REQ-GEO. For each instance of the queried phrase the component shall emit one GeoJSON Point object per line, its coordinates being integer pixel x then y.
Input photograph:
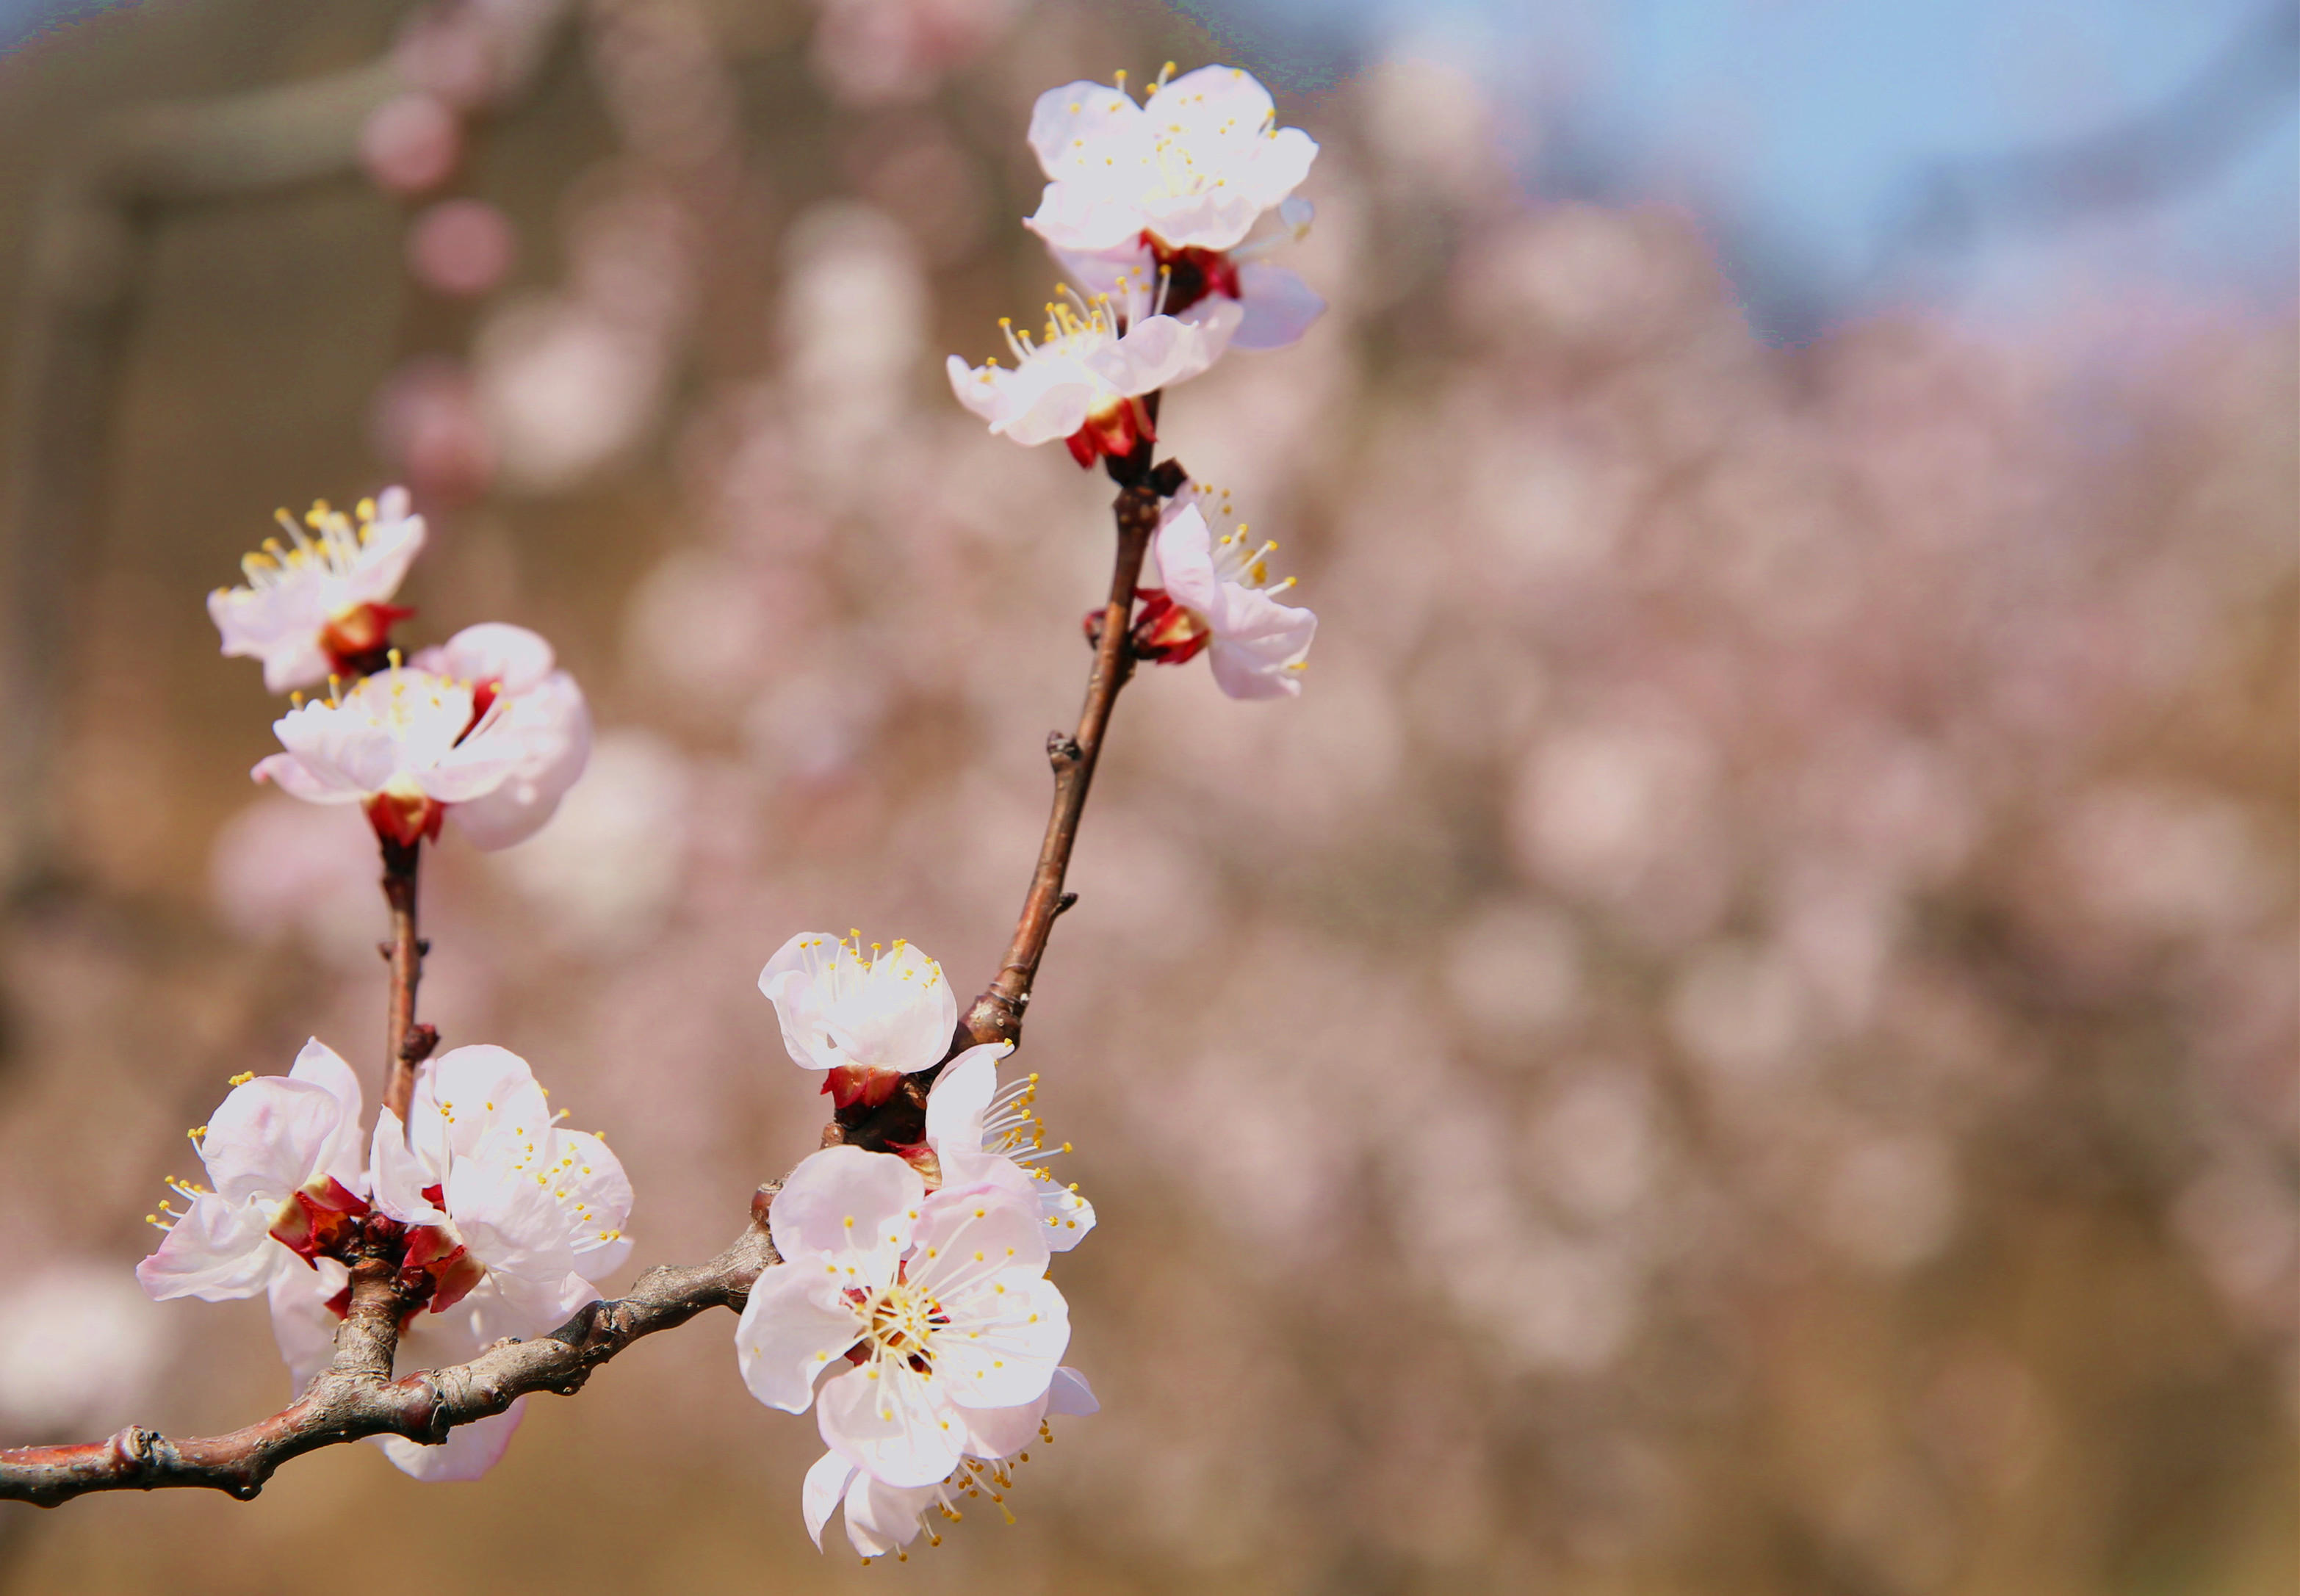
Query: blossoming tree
{"type": "Point", "coordinates": [428, 1271]}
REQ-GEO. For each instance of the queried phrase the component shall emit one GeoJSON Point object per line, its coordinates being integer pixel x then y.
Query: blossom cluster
{"type": "Point", "coordinates": [1152, 207]}
{"type": "Point", "coordinates": [910, 1306]}
{"type": "Point", "coordinates": [498, 1219]}
{"type": "Point", "coordinates": [483, 729]}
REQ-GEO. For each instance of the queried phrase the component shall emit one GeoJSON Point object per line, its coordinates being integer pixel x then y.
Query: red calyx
{"type": "Point", "coordinates": [444, 1269]}
{"type": "Point", "coordinates": [852, 1084]}
{"type": "Point", "coordinates": [1165, 631]}
{"type": "Point", "coordinates": [1192, 273]}
{"type": "Point", "coordinates": [405, 820]}
{"type": "Point", "coordinates": [1114, 431]}
{"type": "Point", "coordinates": [313, 1228]}
{"type": "Point", "coordinates": [358, 642]}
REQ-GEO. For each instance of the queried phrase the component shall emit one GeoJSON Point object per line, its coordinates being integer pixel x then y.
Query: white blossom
{"type": "Point", "coordinates": [317, 602]}
{"type": "Point", "coordinates": [1195, 165]}
{"type": "Point", "coordinates": [982, 1136]}
{"type": "Point", "coordinates": [1083, 380]}
{"type": "Point", "coordinates": [866, 1021]}
{"type": "Point", "coordinates": [1216, 596]}
{"type": "Point", "coordinates": [404, 743]}
{"type": "Point", "coordinates": [882, 1519]}
{"type": "Point", "coordinates": [543, 716]}
{"type": "Point", "coordinates": [901, 1316]}
{"type": "Point", "coordinates": [282, 1155]}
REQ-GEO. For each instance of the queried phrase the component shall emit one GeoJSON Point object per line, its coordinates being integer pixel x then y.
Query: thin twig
{"type": "Point", "coordinates": [406, 1042]}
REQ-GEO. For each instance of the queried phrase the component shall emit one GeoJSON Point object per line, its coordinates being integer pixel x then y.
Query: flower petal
{"type": "Point", "coordinates": [825, 1484]}
{"type": "Point", "coordinates": [1278, 305]}
{"type": "Point", "coordinates": [858, 1207]}
{"type": "Point", "coordinates": [891, 1422]}
{"type": "Point", "coordinates": [794, 1326]}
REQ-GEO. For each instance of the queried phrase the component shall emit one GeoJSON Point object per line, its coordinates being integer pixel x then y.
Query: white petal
{"type": "Point", "coordinates": [788, 982]}
{"type": "Point", "coordinates": [269, 1137]}
{"type": "Point", "coordinates": [398, 1174]}
{"type": "Point", "coordinates": [891, 1423]}
{"type": "Point", "coordinates": [1184, 550]}
{"type": "Point", "coordinates": [1002, 1343]}
{"type": "Point", "coordinates": [794, 1327]}
{"type": "Point", "coordinates": [1067, 1216]}
{"type": "Point", "coordinates": [857, 1206]}
{"type": "Point", "coordinates": [322, 1066]}
{"type": "Point", "coordinates": [880, 1518]}
{"type": "Point", "coordinates": [217, 1252]}
{"type": "Point", "coordinates": [493, 651]}
{"type": "Point", "coordinates": [819, 1494]}
{"type": "Point", "coordinates": [1069, 1393]}
{"type": "Point", "coordinates": [1278, 305]}
{"type": "Point", "coordinates": [301, 1323]}
{"type": "Point", "coordinates": [469, 1451]}
{"type": "Point", "coordinates": [292, 777]}
{"type": "Point", "coordinates": [1259, 644]}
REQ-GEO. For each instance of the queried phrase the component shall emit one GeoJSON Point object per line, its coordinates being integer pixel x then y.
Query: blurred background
{"type": "Point", "coordinates": [1739, 1038]}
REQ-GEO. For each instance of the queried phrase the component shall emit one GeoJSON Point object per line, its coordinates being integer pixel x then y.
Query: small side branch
{"type": "Point", "coordinates": [356, 1397]}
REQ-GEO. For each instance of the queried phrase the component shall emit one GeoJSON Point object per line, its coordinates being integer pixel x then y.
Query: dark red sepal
{"type": "Point", "coordinates": [1165, 631]}
{"type": "Point", "coordinates": [358, 642]}
{"type": "Point", "coordinates": [443, 1267]}
{"type": "Point", "coordinates": [405, 822]}
{"type": "Point", "coordinates": [1116, 431]}
{"type": "Point", "coordinates": [852, 1084]}
{"type": "Point", "coordinates": [313, 1226]}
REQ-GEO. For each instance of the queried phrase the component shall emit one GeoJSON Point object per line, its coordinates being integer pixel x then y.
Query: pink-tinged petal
{"type": "Point", "coordinates": [1002, 1432]}
{"type": "Point", "coordinates": [599, 1194]}
{"type": "Point", "coordinates": [547, 731]}
{"type": "Point", "coordinates": [219, 1250]}
{"type": "Point", "coordinates": [856, 1206]}
{"type": "Point", "coordinates": [955, 1108]}
{"type": "Point", "coordinates": [975, 386]}
{"type": "Point", "coordinates": [1068, 1216]}
{"type": "Point", "coordinates": [897, 1016]}
{"type": "Point", "coordinates": [1003, 1343]}
{"type": "Point", "coordinates": [390, 547]}
{"type": "Point", "coordinates": [1259, 644]}
{"type": "Point", "coordinates": [509, 1220]}
{"type": "Point", "coordinates": [399, 1176]}
{"type": "Point", "coordinates": [966, 1238]}
{"type": "Point", "coordinates": [268, 1138]}
{"type": "Point", "coordinates": [469, 1451]}
{"type": "Point", "coordinates": [481, 1088]}
{"type": "Point", "coordinates": [1069, 1394]}
{"type": "Point", "coordinates": [1185, 562]}
{"type": "Point", "coordinates": [882, 1517]}
{"type": "Point", "coordinates": [788, 980]}
{"type": "Point", "coordinates": [795, 1325]}
{"type": "Point", "coordinates": [322, 1066]}
{"type": "Point", "coordinates": [1277, 307]}
{"type": "Point", "coordinates": [819, 1494]}
{"type": "Point", "coordinates": [1109, 271]}
{"type": "Point", "coordinates": [890, 1422]}
{"type": "Point", "coordinates": [292, 777]}
{"type": "Point", "coordinates": [301, 1323]}
{"type": "Point", "coordinates": [1083, 110]}
{"type": "Point", "coordinates": [513, 657]}
{"type": "Point", "coordinates": [1158, 351]}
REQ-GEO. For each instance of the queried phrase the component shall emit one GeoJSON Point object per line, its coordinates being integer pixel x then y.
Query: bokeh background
{"type": "Point", "coordinates": [1739, 1038]}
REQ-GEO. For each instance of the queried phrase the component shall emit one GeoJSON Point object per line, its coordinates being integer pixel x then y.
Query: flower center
{"type": "Point", "coordinates": [897, 1321]}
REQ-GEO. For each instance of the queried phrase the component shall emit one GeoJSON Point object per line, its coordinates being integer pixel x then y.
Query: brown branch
{"type": "Point", "coordinates": [356, 1397]}
{"type": "Point", "coordinates": [996, 1015]}
{"type": "Point", "coordinates": [406, 1043]}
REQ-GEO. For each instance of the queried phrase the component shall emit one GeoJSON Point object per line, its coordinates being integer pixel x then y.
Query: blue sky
{"type": "Point", "coordinates": [1832, 146]}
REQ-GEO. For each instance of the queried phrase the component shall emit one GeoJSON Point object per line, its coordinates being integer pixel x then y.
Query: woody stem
{"type": "Point", "coordinates": [406, 1042]}
{"type": "Point", "coordinates": [996, 1015]}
